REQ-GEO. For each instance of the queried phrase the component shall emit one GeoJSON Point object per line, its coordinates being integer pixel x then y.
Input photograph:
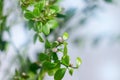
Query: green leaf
{"type": "Point", "coordinates": [43, 57]}
{"type": "Point", "coordinates": [38, 27]}
{"type": "Point", "coordinates": [71, 71]}
{"type": "Point", "coordinates": [56, 8]}
{"type": "Point", "coordinates": [46, 30]}
{"type": "Point", "coordinates": [59, 74]}
{"type": "Point", "coordinates": [29, 15]}
{"type": "Point", "coordinates": [34, 67]}
{"type": "Point", "coordinates": [40, 39]}
{"type": "Point", "coordinates": [66, 60]}
{"type": "Point", "coordinates": [65, 36]}
{"type": "Point", "coordinates": [78, 62]}
{"type": "Point", "coordinates": [40, 5]}
{"type": "Point", "coordinates": [109, 1]}
{"type": "Point", "coordinates": [65, 49]}
{"type": "Point", "coordinates": [54, 56]}
{"type": "Point", "coordinates": [49, 65]}
{"type": "Point", "coordinates": [60, 15]}
{"type": "Point", "coordinates": [47, 44]}
{"type": "Point", "coordinates": [52, 24]}
{"type": "Point", "coordinates": [51, 72]}
{"type": "Point", "coordinates": [36, 12]}
{"type": "Point", "coordinates": [31, 24]}
{"type": "Point", "coordinates": [35, 38]}
{"type": "Point", "coordinates": [55, 44]}
{"type": "Point", "coordinates": [32, 75]}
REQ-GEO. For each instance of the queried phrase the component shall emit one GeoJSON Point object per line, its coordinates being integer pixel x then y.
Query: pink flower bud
{"type": "Point", "coordinates": [60, 39]}
{"type": "Point", "coordinates": [54, 49]}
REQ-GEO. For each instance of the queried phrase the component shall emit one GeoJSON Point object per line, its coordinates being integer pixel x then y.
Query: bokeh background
{"type": "Point", "coordinates": [94, 29]}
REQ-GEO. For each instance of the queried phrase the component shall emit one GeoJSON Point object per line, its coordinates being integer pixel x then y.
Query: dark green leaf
{"type": "Point", "coordinates": [29, 15]}
{"type": "Point", "coordinates": [60, 15]}
{"type": "Point", "coordinates": [43, 57]}
{"type": "Point", "coordinates": [33, 67]}
{"type": "Point", "coordinates": [47, 44]}
{"type": "Point", "coordinates": [59, 74]}
{"type": "Point", "coordinates": [54, 56]}
{"type": "Point", "coordinates": [40, 39]}
{"type": "Point", "coordinates": [55, 44]}
{"type": "Point", "coordinates": [110, 1]}
{"type": "Point", "coordinates": [3, 45]}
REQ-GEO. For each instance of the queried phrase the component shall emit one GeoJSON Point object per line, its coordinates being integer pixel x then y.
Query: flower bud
{"type": "Point", "coordinates": [54, 49]}
{"type": "Point", "coordinates": [60, 39]}
{"type": "Point", "coordinates": [71, 65]}
{"type": "Point", "coordinates": [24, 75]}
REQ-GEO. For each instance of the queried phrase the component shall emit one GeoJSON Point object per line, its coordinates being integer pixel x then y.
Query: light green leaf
{"type": "Point", "coordinates": [46, 30]}
{"type": "Point", "coordinates": [40, 5]}
{"type": "Point", "coordinates": [71, 71]}
{"type": "Point", "coordinates": [51, 72]}
{"type": "Point", "coordinates": [65, 36]}
{"type": "Point", "coordinates": [56, 8]}
{"type": "Point", "coordinates": [59, 74]}
{"type": "Point", "coordinates": [65, 49]}
{"type": "Point", "coordinates": [78, 62]}
{"type": "Point", "coordinates": [52, 24]}
{"type": "Point", "coordinates": [65, 60]}
{"type": "Point", "coordinates": [36, 12]}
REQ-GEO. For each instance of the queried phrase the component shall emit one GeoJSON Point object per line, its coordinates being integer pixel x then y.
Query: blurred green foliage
{"type": "Point", "coordinates": [42, 19]}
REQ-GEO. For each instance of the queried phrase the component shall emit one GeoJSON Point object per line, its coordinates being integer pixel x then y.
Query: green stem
{"type": "Point", "coordinates": [42, 74]}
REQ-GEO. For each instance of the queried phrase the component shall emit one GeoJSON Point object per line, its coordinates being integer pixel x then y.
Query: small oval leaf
{"type": "Point", "coordinates": [59, 74]}
{"type": "Point", "coordinates": [78, 62]}
{"type": "Point", "coordinates": [43, 57]}
{"type": "Point", "coordinates": [65, 36]}
{"type": "Point", "coordinates": [71, 71]}
{"type": "Point", "coordinates": [46, 30]}
{"type": "Point", "coordinates": [29, 15]}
